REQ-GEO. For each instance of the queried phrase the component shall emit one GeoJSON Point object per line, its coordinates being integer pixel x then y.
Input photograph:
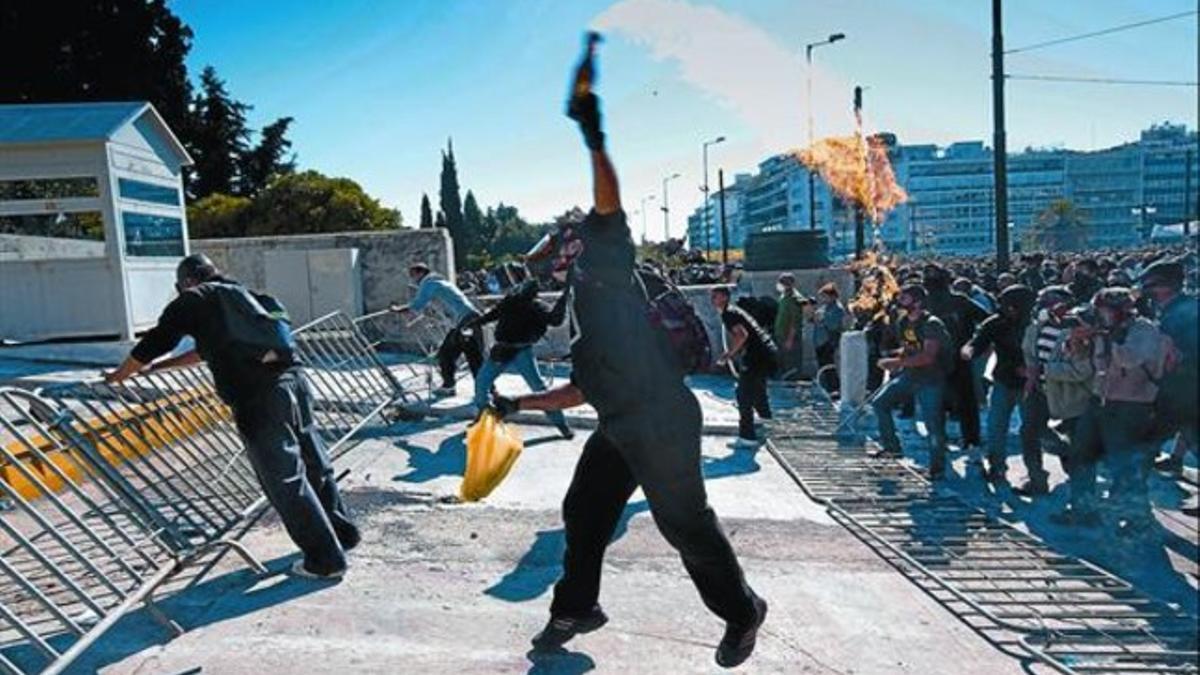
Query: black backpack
{"type": "Point", "coordinates": [257, 326]}
{"type": "Point", "coordinates": [668, 309]}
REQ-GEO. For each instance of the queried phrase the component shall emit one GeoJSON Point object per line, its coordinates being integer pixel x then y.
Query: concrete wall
{"type": "Point", "coordinates": [385, 257]}
{"type": "Point", "coordinates": [21, 247]}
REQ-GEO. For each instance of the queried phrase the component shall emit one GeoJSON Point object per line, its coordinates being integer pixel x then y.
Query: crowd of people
{"type": "Point", "coordinates": [1097, 353]}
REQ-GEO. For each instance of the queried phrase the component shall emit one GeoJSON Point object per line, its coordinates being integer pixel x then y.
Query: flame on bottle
{"type": "Point", "coordinates": [878, 286]}
{"type": "Point", "coordinates": [585, 74]}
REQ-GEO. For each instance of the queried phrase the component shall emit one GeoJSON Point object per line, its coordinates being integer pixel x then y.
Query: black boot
{"type": "Point", "coordinates": [585, 110]}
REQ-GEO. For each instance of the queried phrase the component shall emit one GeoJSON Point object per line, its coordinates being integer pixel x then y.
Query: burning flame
{"type": "Point", "coordinates": [858, 171]}
{"type": "Point", "coordinates": [878, 288]}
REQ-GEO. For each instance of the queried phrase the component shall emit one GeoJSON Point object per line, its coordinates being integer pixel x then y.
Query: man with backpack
{"type": "Point", "coordinates": [757, 359]}
{"type": "Point", "coordinates": [918, 371]}
{"type": "Point", "coordinates": [649, 428]}
{"type": "Point", "coordinates": [244, 339]}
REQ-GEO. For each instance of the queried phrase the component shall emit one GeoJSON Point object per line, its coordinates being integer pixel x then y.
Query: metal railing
{"type": "Point", "coordinates": [112, 491]}
{"type": "Point", "coordinates": [1064, 611]}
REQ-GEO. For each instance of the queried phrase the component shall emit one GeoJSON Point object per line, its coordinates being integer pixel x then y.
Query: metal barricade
{"type": "Point", "coordinates": [110, 491]}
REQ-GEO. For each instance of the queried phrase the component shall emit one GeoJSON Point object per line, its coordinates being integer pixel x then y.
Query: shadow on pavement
{"type": "Point", "coordinates": [231, 595]}
{"type": "Point", "coordinates": [541, 565]}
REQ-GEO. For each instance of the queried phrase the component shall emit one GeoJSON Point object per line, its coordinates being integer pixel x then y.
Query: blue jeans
{"type": "Point", "coordinates": [1034, 419]}
{"type": "Point", "coordinates": [928, 395]}
{"type": "Point", "coordinates": [523, 364]}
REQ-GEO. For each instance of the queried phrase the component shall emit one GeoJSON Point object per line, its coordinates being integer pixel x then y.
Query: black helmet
{"type": "Point", "coordinates": [1116, 298]}
{"type": "Point", "coordinates": [1054, 295]}
{"type": "Point", "coordinates": [196, 267]}
{"type": "Point", "coordinates": [1018, 297]}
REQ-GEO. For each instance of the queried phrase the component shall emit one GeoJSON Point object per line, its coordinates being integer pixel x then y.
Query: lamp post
{"type": "Point", "coordinates": [808, 50]}
{"type": "Point", "coordinates": [704, 189]}
{"type": "Point", "coordinates": [1141, 212]}
{"type": "Point", "coordinates": [666, 207]}
{"type": "Point", "coordinates": [647, 198]}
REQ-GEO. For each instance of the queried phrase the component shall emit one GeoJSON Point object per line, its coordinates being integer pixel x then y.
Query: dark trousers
{"type": "Point", "coordinates": [661, 453]}
{"type": "Point", "coordinates": [289, 458]}
{"type": "Point", "coordinates": [751, 394]}
{"type": "Point", "coordinates": [1119, 433]}
{"type": "Point", "coordinates": [826, 352]}
{"type": "Point", "coordinates": [460, 343]}
{"type": "Point", "coordinates": [961, 397]}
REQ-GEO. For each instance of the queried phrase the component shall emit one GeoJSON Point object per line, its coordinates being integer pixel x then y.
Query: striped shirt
{"type": "Point", "coordinates": [1047, 339]}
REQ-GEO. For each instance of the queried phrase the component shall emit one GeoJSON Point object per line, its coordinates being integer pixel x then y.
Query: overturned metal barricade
{"type": "Point", "coordinates": [1008, 584]}
{"type": "Point", "coordinates": [109, 491]}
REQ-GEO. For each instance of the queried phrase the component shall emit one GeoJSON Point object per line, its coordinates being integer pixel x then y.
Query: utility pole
{"type": "Point", "coordinates": [859, 230]}
{"type": "Point", "coordinates": [647, 198]}
{"type": "Point", "coordinates": [724, 225]}
{"type": "Point", "coordinates": [666, 208]}
{"type": "Point", "coordinates": [1187, 195]}
{"type": "Point", "coordinates": [999, 140]}
{"type": "Point", "coordinates": [808, 50]}
{"type": "Point", "coordinates": [704, 189]}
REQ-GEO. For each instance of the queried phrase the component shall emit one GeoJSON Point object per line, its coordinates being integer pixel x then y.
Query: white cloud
{"type": "Point", "coordinates": [743, 67]}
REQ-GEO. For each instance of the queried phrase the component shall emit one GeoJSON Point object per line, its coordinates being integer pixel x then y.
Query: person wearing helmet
{"type": "Point", "coordinates": [272, 408]}
{"type": "Point", "coordinates": [521, 320]}
{"type": "Point", "coordinates": [1129, 356]}
{"type": "Point", "coordinates": [961, 317]}
{"type": "Point", "coordinates": [1003, 332]}
{"type": "Point", "coordinates": [1058, 368]}
{"type": "Point", "coordinates": [1179, 318]}
{"type": "Point", "coordinates": [649, 427]}
{"type": "Point", "coordinates": [918, 372]}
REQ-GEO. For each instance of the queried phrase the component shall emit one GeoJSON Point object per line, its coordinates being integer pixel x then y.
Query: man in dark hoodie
{"type": "Point", "coordinates": [1004, 332]}
{"type": "Point", "coordinates": [961, 316]}
{"type": "Point", "coordinates": [649, 426]}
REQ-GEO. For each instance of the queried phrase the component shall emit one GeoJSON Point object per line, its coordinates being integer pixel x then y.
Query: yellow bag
{"type": "Point", "coordinates": [492, 449]}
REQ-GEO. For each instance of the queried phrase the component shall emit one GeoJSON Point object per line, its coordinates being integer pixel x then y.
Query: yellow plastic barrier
{"type": "Point", "coordinates": [118, 437]}
{"type": "Point", "coordinates": [492, 449]}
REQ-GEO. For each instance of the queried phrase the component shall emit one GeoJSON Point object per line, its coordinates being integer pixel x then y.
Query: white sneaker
{"type": "Point", "coordinates": [303, 572]}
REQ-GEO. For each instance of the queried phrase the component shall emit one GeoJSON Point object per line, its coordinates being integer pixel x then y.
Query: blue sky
{"type": "Point", "coordinates": [377, 87]}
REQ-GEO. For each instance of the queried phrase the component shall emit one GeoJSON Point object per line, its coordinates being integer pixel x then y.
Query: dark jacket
{"type": "Point", "coordinates": [197, 312]}
{"type": "Point", "coordinates": [522, 319]}
{"type": "Point", "coordinates": [1004, 336]}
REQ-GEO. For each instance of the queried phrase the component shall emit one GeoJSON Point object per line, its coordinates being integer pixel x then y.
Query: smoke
{"type": "Point", "coordinates": [737, 63]}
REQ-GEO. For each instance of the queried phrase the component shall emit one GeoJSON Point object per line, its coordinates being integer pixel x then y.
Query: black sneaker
{"type": "Point", "coordinates": [348, 536]}
{"type": "Point", "coordinates": [1032, 488]}
{"type": "Point", "coordinates": [738, 643]}
{"type": "Point", "coordinates": [561, 629]}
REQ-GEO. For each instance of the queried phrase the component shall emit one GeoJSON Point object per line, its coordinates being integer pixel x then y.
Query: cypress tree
{"type": "Point", "coordinates": [451, 204]}
{"type": "Point", "coordinates": [426, 212]}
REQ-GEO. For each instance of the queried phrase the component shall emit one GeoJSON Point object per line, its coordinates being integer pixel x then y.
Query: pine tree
{"type": "Point", "coordinates": [451, 204]}
{"type": "Point", "coordinates": [473, 225]}
{"type": "Point", "coordinates": [440, 220]}
{"type": "Point", "coordinates": [219, 137]}
{"type": "Point", "coordinates": [267, 159]}
{"type": "Point", "coordinates": [426, 212]}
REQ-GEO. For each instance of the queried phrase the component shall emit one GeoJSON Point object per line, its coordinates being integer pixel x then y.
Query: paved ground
{"type": "Point", "coordinates": [438, 587]}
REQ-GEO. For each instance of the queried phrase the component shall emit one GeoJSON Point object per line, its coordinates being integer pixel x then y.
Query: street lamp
{"type": "Point", "coordinates": [666, 208]}
{"type": "Point", "coordinates": [808, 50]}
{"type": "Point", "coordinates": [647, 198]}
{"type": "Point", "coordinates": [704, 189]}
{"type": "Point", "coordinates": [1141, 212]}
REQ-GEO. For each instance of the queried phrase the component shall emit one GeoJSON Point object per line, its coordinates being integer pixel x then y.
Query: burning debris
{"type": "Point", "coordinates": [878, 287]}
{"type": "Point", "coordinates": [858, 171]}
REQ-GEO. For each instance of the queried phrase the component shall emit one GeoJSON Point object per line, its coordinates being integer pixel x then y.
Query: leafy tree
{"type": "Point", "coordinates": [219, 137]}
{"type": "Point", "coordinates": [451, 204]}
{"type": "Point", "coordinates": [1061, 227]}
{"type": "Point", "coordinates": [309, 202]}
{"type": "Point", "coordinates": [99, 50]}
{"type": "Point", "coordinates": [426, 212]}
{"type": "Point", "coordinates": [218, 215]}
{"type": "Point", "coordinates": [267, 159]}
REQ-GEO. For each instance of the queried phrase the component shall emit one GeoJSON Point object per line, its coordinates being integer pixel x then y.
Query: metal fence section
{"type": "Point", "coordinates": [107, 492]}
{"type": "Point", "coordinates": [1008, 584]}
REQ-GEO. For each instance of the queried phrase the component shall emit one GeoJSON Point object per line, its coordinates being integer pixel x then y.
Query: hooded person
{"type": "Point", "coordinates": [649, 422]}
{"type": "Point", "coordinates": [521, 321]}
